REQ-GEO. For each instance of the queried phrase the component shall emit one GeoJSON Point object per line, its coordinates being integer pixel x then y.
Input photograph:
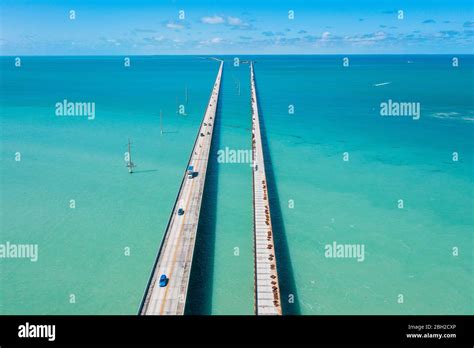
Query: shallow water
{"type": "Point", "coordinates": [81, 251]}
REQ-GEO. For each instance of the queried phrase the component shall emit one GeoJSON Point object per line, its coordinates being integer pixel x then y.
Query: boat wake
{"type": "Point", "coordinates": [452, 116]}
{"type": "Point", "coordinates": [381, 84]}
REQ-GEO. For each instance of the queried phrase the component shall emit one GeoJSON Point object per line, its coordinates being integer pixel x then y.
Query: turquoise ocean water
{"type": "Point", "coordinates": [408, 251]}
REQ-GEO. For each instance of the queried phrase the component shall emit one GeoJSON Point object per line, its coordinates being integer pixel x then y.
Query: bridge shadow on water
{"type": "Point", "coordinates": [286, 276]}
{"type": "Point", "coordinates": [145, 171]}
{"type": "Point", "coordinates": [199, 297]}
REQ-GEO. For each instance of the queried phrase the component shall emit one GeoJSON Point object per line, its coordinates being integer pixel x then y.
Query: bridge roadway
{"type": "Point", "coordinates": [175, 255]}
{"type": "Point", "coordinates": [267, 288]}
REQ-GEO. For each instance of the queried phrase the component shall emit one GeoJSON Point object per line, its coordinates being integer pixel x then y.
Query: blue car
{"type": "Point", "coordinates": [180, 211]}
{"type": "Point", "coordinates": [163, 281]}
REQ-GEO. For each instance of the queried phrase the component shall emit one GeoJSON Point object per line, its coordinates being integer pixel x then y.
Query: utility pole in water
{"type": "Point", "coordinates": [130, 164]}
{"type": "Point", "coordinates": [161, 122]}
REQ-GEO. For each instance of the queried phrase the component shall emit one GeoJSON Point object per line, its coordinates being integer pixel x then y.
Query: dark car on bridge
{"type": "Point", "coordinates": [163, 281]}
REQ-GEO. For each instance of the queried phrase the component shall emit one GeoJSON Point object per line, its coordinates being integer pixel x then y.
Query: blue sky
{"type": "Point", "coordinates": [106, 27]}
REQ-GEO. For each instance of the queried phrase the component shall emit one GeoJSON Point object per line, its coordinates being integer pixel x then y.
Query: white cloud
{"type": "Point", "coordinates": [174, 26]}
{"type": "Point", "coordinates": [212, 20]}
{"type": "Point", "coordinates": [111, 41]}
{"type": "Point", "coordinates": [325, 36]}
{"type": "Point", "coordinates": [367, 39]}
{"type": "Point", "coordinates": [213, 41]}
{"type": "Point", "coordinates": [380, 35]}
{"type": "Point", "coordinates": [234, 21]}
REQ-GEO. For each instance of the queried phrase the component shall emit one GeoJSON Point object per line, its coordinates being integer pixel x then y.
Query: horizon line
{"type": "Point", "coordinates": [236, 54]}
